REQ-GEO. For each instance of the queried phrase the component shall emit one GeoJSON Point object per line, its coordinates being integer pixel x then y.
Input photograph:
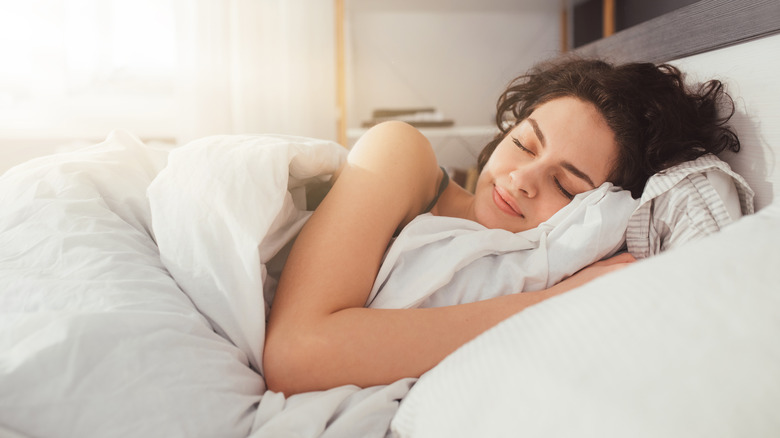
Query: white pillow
{"type": "Point", "coordinates": [683, 344]}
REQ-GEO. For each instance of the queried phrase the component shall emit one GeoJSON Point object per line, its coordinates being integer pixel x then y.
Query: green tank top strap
{"type": "Point", "coordinates": [445, 180]}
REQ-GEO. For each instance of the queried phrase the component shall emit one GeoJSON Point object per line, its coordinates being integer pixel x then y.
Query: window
{"type": "Point", "coordinates": [76, 68]}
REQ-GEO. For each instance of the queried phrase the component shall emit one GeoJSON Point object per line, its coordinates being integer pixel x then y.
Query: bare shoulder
{"type": "Point", "coordinates": [400, 157]}
{"type": "Point", "coordinates": [396, 141]}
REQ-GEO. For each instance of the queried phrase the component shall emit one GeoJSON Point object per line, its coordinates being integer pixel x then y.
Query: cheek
{"type": "Point", "coordinates": [498, 164]}
{"type": "Point", "coordinates": [550, 206]}
{"type": "Point", "coordinates": [486, 177]}
{"type": "Point", "coordinates": [483, 193]}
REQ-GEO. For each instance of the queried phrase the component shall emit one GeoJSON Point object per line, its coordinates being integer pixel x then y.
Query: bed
{"type": "Point", "coordinates": [130, 303]}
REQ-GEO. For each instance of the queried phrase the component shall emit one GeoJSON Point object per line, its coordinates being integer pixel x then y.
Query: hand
{"type": "Point", "coordinates": [595, 270]}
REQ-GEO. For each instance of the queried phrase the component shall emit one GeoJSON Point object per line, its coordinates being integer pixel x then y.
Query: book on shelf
{"type": "Point", "coordinates": [425, 117]}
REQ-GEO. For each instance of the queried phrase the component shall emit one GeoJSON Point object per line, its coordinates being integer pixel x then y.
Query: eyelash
{"type": "Point", "coordinates": [562, 190]}
{"type": "Point", "coordinates": [523, 148]}
{"type": "Point", "coordinates": [557, 183]}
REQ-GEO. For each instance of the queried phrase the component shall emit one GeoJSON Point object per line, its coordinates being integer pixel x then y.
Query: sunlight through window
{"type": "Point", "coordinates": [72, 66]}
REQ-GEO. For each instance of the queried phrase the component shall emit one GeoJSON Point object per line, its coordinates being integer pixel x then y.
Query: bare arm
{"type": "Point", "coordinates": [319, 334]}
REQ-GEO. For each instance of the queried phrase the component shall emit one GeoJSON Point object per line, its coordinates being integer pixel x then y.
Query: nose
{"type": "Point", "coordinates": [525, 180]}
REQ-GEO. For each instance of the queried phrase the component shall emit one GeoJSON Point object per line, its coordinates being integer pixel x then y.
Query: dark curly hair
{"type": "Point", "coordinates": [658, 120]}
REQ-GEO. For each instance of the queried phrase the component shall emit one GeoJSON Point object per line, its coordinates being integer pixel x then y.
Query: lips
{"type": "Point", "coordinates": [505, 202]}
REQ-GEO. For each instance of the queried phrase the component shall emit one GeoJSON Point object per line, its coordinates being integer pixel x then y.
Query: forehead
{"type": "Point", "coordinates": [573, 130]}
{"type": "Point", "coordinates": [569, 109]}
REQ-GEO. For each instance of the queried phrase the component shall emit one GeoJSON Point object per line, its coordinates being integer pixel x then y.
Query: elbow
{"type": "Point", "coordinates": [279, 362]}
{"type": "Point", "coordinates": [289, 364]}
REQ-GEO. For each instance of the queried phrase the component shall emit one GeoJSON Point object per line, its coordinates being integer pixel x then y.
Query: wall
{"type": "Point", "coordinates": [453, 55]}
{"type": "Point", "coordinates": [456, 56]}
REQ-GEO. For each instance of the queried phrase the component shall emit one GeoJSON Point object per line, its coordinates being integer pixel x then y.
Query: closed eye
{"type": "Point", "coordinates": [520, 145]}
{"type": "Point", "coordinates": [563, 191]}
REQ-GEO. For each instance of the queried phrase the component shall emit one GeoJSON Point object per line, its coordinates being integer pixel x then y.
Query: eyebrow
{"type": "Point", "coordinates": [538, 131]}
{"type": "Point", "coordinates": [578, 173]}
{"type": "Point", "coordinates": [566, 165]}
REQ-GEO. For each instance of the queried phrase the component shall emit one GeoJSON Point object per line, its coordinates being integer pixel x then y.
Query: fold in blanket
{"type": "Point", "coordinates": [222, 209]}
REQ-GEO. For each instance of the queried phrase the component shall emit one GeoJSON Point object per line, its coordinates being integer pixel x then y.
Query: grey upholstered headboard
{"type": "Point", "coordinates": [704, 26]}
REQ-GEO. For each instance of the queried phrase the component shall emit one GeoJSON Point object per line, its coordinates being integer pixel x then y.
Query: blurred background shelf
{"type": "Point", "coordinates": [456, 147]}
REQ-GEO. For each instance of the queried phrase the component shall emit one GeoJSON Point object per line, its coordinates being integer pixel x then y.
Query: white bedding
{"type": "Point", "coordinates": [131, 279]}
{"type": "Point", "coordinates": [131, 288]}
{"type": "Point", "coordinates": [693, 352]}
{"type": "Point", "coordinates": [96, 338]}
{"type": "Point", "coordinates": [222, 209]}
{"type": "Point", "coordinates": [440, 261]}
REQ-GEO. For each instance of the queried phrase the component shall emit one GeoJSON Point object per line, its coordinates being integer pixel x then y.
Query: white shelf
{"type": "Point", "coordinates": [448, 131]}
{"type": "Point", "coordinates": [455, 146]}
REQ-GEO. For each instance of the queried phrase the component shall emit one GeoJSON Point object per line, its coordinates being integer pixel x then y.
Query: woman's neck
{"type": "Point", "coordinates": [455, 201]}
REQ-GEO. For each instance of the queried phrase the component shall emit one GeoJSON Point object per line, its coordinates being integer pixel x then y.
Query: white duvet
{"type": "Point", "coordinates": [96, 338]}
{"type": "Point", "coordinates": [130, 278]}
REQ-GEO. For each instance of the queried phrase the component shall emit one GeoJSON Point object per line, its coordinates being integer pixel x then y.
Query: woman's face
{"type": "Point", "coordinates": [563, 148]}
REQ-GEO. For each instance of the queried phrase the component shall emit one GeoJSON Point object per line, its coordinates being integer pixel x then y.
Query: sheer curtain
{"type": "Point", "coordinates": [80, 68]}
{"type": "Point", "coordinates": [255, 66]}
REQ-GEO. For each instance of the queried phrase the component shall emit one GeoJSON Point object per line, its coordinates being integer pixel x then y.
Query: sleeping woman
{"type": "Point", "coordinates": [566, 128]}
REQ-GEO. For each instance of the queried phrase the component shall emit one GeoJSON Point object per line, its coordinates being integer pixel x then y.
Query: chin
{"type": "Point", "coordinates": [496, 220]}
